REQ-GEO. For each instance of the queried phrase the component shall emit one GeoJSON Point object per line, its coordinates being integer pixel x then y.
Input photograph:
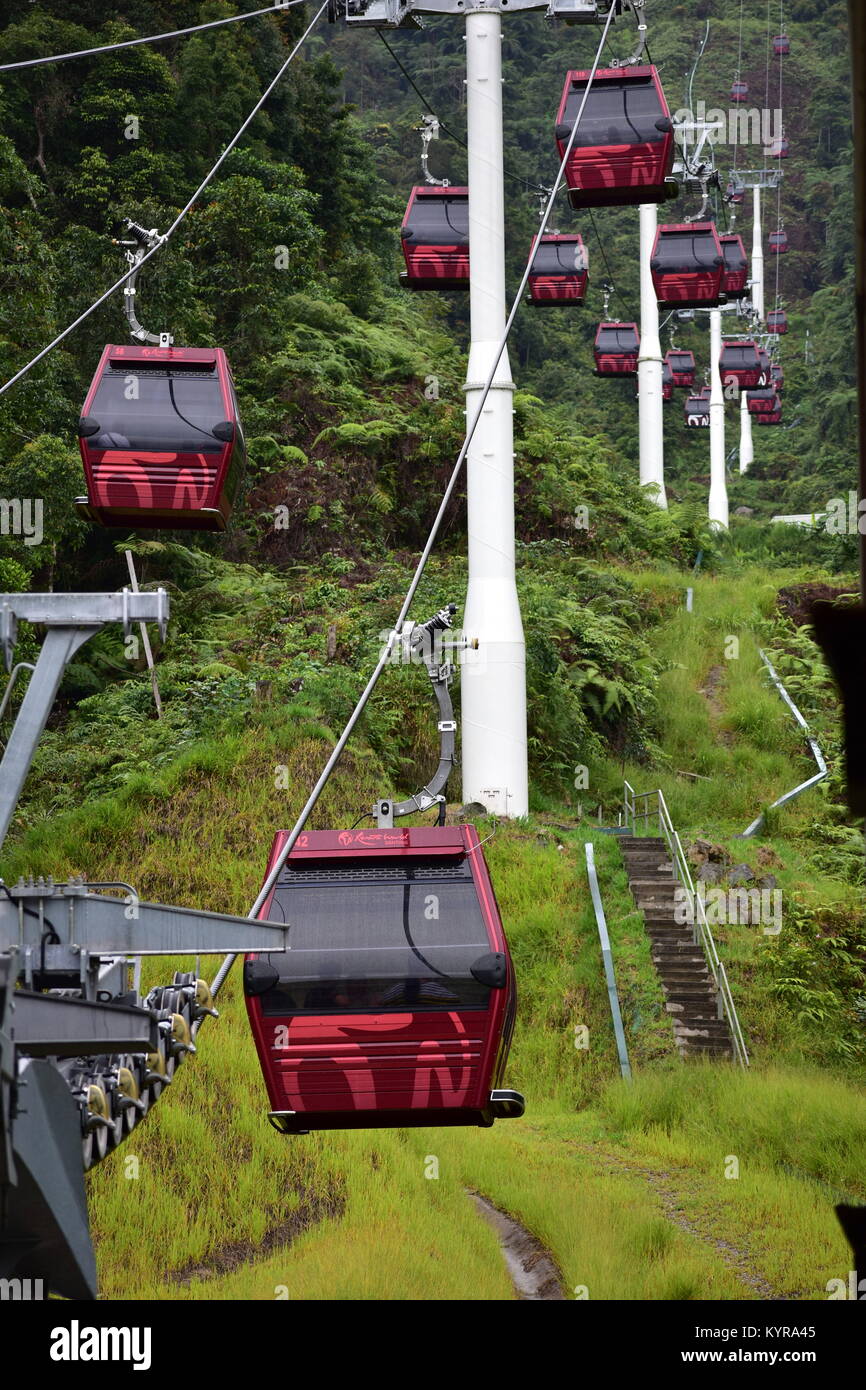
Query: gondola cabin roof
{"type": "Point", "coordinates": [435, 238]}
{"type": "Point", "coordinates": [560, 269]}
{"type": "Point", "coordinates": [623, 151]}
{"type": "Point", "coordinates": [687, 265]}
{"type": "Point", "coordinates": [168, 454]}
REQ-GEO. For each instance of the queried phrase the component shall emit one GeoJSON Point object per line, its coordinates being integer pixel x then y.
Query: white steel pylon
{"type": "Point", "coordinates": [493, 679]}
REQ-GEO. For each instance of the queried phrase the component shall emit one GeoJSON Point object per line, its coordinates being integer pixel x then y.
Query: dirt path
{"type": "Point", "coordinates": [229, 1257]}
{"type": "Point", "coordinates": [715, 682]}
{"type": "Point", "coordinates": [672, 1203]}
{"type": "Point", "coordinates": [531, 1267]}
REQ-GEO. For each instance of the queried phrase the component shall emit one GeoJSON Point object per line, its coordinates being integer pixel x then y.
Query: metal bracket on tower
{"type": "Point", "coordinates": [71, 620]}
{"type": "Point", "coordinates": [404, 14]}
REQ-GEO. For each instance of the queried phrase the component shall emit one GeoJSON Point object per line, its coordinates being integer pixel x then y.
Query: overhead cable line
{"type": "Point", "coordinates": [152, 38]}
{"type": "Point", "coordinates": [180, 217]}
{"type": "Point", "coordinates": [458, 139]}
{"type": "Point", "coordinates": [385, 655]}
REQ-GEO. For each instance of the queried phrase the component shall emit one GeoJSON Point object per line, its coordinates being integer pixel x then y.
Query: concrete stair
{"type": "Point", "coordinates": [690, 995]}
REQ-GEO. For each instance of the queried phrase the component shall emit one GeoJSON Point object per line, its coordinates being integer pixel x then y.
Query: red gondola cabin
{"type": "Point", "coordinates": [770, 417]}
{"type": "Point", "coordinates": [777, 378]}
{"type": "Point", "coordinates": [763, 401]}
{"type": "Point", "coordinates": [777, 321]}
{"type": "Point", "coordinates": [161, 439]}
{"type": "Point", "coordinates": [739, 90]}
{"type": "Point", "coordinates": [435, 237]}
{"type": "Point", "coordinates": [781, 45]}
{"type": "Point", "coordinates": [616, 349]}
{"type": "Point", "coordinates": [687, 265]}
{"type": "Point", "coordinates": [742, 362]}
{"type": "Point", "coordinates": [624, 148]}
{"type": "Point", "coordinates": [395, 1004]}
{"type": "Point", "coordinates": [734, 193]}
{"type": "Point", "coordinates": [696, 410]}
{"type": "Point", "coordinates": [682, 364]}
{"type": "Point", "coordinates": [780, 148]}
{"type": "Point", "coordinates": [778, 243]}
{"type": "Point", "coordinates": [735, 272]}
{"type": "Point", "coordinates": [560, 269]}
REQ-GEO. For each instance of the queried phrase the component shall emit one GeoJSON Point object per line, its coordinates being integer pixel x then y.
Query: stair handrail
{"type": "Point", "coordinates": [702, 933]}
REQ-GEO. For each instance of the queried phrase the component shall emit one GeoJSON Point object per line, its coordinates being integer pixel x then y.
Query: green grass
{"type": "Point", "coordinates": [625, 1184]}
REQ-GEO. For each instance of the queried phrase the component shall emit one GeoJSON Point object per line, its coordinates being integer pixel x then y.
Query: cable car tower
{"type": "Point", "coordinates": [495, 771]}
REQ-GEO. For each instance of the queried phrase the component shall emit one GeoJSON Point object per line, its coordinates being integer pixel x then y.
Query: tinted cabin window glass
{"type": "Point", "coordinates": [439, 222]}
{"type": "Point", "coordinates": [682, 361]}
{"type": "Point", "coordinates": [739, 357]}
{"type": "Point", "coordinates": [617, 340]}
{"type": "Point", "coordinates": [379, 939]}
{"type": "Point", "coordinates": [735, 259]}
{"type": "Point", "coordinates": [559, 258]}
{"type": "Point", "coordinates": [617, 112]}
{"type": "Point", "coordinates": [684, 251]}
{"type": "Point", "coordinates": [174, 413]}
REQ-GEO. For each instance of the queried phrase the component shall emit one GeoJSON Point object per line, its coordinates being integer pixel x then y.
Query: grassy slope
{"type": "Point", "coordinates": [628, 1187]}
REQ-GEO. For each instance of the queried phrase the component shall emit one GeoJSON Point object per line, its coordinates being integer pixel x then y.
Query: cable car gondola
{"type": "Point", "coordinates": [778, 243]}
{"type": "Point", "coordinates": [735, 272]}
{"type": "Point", "coordinates": [560, 269]}
{"type": "Point", "coordinates": [734, 193]}
{"type": "Point", "coordinates": [770, 417]}
{"type": "Point", "coordinates": [780, 148]}
{"type": "Point", "coordinates": [624, 148]}
{"type": "Point", "coordinates": [696, 410]}
{"type": "Point", "coordinates": [616, 349]}
{"type": "Point", "coordinates": [681, 362]}
{"type": "Point", "coordinates": [435, 237]}
{"type": "Point", "coordinates": [777, 321]}
{"type": "Point", "coordinates": [777, 378]}
{"type": "Point", "coordinates": [781, 45]}
{"type": "Point", "coordinates": [686, 265]}
{"type": "Point", "coordinates": [739, 90]}
{"type": "Point", "coordinates": [384, 1012]}
{"type": "Point", "coordinates": [161, 439]}
{"type": "Point", "coordinates": [667, 381]}
{"type": "Point", "coordinates": [742, 361]}
{"type": "Point", "coordinates": [764, 401]}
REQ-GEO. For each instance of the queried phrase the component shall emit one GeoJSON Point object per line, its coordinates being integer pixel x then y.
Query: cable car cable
{"type": "Point", "coordinates": [152, 38]}
{"type": "Point", "coordinates": [385, 655]}
{"type": "Point", "coordinates": [458, 139]}
{"type": "Point", "coordinates": [180, 217]}
{"type": "Point", "coordinates": [610, 278]}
